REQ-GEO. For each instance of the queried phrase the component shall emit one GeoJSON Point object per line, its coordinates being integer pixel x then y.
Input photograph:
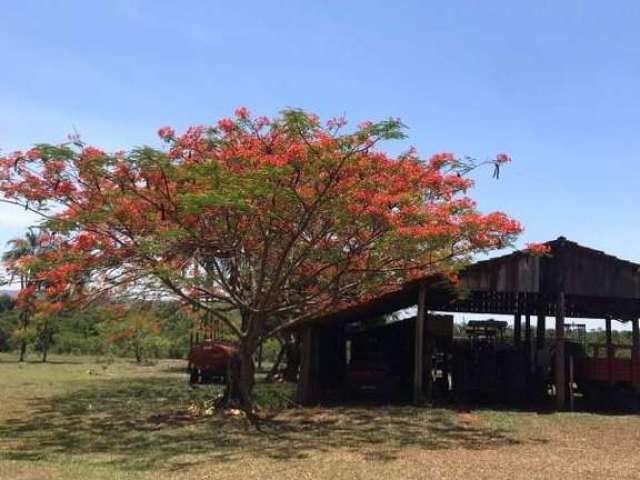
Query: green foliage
{"type": "Point", "coordinates": [6, 303]}
{"type": "Point", "coordinates": [270, 350]}
{"type": "Point", "coordinates": [94, 329]}
{"type": "Point", "coordinates": [8, 325]}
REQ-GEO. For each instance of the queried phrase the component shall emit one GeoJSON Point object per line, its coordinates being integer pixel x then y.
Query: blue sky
{"type": "Point", "coordinates": [554, 84]}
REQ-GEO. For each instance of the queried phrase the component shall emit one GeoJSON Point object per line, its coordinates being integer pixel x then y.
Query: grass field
{"type": "Point", "coordinates": [75, 418]}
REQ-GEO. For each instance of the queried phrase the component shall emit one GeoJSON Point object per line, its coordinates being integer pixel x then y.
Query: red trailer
{"type": "Point", "coordinates": [608, 377]}
{"type": "Point", "coordinates": [209, 360]}
{"type": "Point", "coordinates": [614, 368]}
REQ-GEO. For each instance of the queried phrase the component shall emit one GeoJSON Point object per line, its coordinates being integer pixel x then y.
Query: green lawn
{"type": "Point", "coordinates": [77, 419]}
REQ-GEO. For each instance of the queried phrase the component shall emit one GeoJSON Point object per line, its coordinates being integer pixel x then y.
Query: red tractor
{"type": "Point", "coordinates": [209, 361]}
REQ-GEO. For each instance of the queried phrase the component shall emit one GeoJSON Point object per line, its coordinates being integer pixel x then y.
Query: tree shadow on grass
{"type": "Point", "coordinates": [144, 423]}
{"type": "Point", "coordinates": [37, 361]}
{"type": "Point", "coordinates": [176, 369]}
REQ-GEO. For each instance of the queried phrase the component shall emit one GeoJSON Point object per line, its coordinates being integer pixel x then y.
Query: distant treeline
{"type": "Point", "coordinates": [142, 330]}
{"type": "Point", "coordinates": [150, 329]}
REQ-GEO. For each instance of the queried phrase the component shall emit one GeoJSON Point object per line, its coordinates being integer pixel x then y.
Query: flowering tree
{"type": "Point", "coordinates": [279, 220]}
{"type": "Point", "coordinates": [136, 327]}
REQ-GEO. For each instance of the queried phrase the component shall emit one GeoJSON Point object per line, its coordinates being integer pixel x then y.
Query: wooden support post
{"type": "Point", "coordinates": [527, 339]}
{"type": "Point", "coordinates": [560, 366]}
{"type": "Point", "coordinates": [571, 378]}
{"type": "Point", "coordinates": [342, 356]}
{"type": "Point", "coordinates": [609, 349]}
{"type": "Point", "coordinates": [306, 379]}
{"type": "Point", "coordinates": [541, 329]}
{"type": "Point", "coordinates": [635, 354]}
{"type": "Point", "coordinates": [517, 321]}
{"type": "Point", "coordinates": [418, 356]}
{"type": "Point", "coordinates": [517, 330]}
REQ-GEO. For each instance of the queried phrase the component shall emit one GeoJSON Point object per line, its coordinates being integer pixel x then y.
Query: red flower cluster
{"type": "Point", "coordinates": [166, 133]}
{"type": "Point", "coordinates": [241, 112]}
{"type": "Point", "coordinates": [502, 158]}
{"type": "Point", "coordinates": [537, 248]}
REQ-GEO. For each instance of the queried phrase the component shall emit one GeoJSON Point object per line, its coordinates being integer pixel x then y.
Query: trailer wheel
{"type": "Point", "coordinates": [193, 377]}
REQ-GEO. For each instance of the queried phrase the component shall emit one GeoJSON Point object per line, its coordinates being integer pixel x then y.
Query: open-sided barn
{"type": "Point", "coordinates": [571, 281]}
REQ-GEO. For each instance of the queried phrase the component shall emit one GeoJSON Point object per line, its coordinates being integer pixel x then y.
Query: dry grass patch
{"type": "Point", "coordinates": [77, 419]}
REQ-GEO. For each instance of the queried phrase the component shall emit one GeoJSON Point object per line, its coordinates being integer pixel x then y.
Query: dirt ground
{"type": "Point", "coordinates": [78, 418]}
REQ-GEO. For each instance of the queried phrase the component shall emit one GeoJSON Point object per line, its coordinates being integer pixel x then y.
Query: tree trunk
{"type": "Point", "coordinates": [23, 349]}
{"type": "Point", "coordinates": [23, 343]}
{"type": "Point", "coordinates": [45, 342]}
{"type": "Point", "coordinates": [240, 382]}
{"type": "Point", "coordinates": [292, 350]}
{"type": "Point", "coordinates": [241, 370]}
{"type": "Point", "coordinates": [137, 350]}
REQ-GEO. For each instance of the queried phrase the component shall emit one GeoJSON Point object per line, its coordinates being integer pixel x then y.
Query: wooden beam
{"type": "Point", "coordinates": [571, 391]}
{"type": "Point", "coordinates": [541, 329]}
{"type": "Point", "coordinates": [635, 354]}
{"type": "Point", "coordinates": [306, 380]}
{"type": "Point", "coordinates": [517, 330]}
{"type": "Point", "coordinates": [418, 355]}
{"type": "Point", "coordinates": [609, 351]}
{"type": "Point", "coordinates": [560, 366]}
{"type": "Point", "coordinates": [527, 340]}
{"type": "Point", "coordinates": [517, 320]}
{"type": "Point", "coordinates": [342, 354]}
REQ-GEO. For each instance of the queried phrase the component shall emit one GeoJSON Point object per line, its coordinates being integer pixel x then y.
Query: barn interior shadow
{"type": "Point", "coordinates": [145, 423]}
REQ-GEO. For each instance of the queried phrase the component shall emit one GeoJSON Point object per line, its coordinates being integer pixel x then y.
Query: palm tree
{"type": "Point", "coordinates": [22, 247]}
